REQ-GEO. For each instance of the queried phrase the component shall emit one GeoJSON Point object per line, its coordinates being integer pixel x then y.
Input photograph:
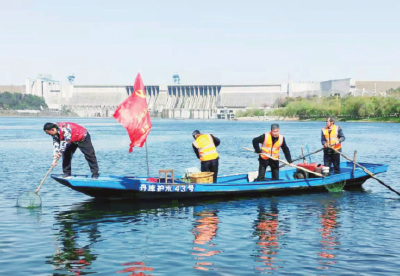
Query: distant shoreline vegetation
{"type": "Point", "coordinates": [18, 101]}
{"type": "Point", "coordinates": [373, 109]}
{"type": "Point", "coordinates": [17, 105]}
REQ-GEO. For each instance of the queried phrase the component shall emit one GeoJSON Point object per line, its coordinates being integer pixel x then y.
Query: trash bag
{"type": "Point", "coordinates": [251, 176]}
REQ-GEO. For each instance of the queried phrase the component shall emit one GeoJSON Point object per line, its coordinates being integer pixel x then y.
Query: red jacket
{"type": "Point", "coordinates": [77, 132]}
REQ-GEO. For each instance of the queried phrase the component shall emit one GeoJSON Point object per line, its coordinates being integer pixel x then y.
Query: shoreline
{"type": "Point", "coordinates": [15, 113]}
{"type": "Point", "coordinates": [350, 120]}
{"type": "Point", "coordinates": [266, 118]}
{"type": "Point", "coordinates": [52, 114]}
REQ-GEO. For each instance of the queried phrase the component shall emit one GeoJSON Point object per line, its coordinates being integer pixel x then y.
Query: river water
{"type": "Point", "coordinates": [347, 233]}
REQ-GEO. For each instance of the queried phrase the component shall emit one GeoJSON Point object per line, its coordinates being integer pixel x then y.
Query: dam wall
{"type": "Point", "coordinates": [188, 101]}
{"type": "Point", "coordinates": [191, 101]}
{"type": "Point", "coordinates": [165, 101]}
{"type": "Point", "coordinates": [254, 96]}
{"type": "Point", "coordinates": [178, 101]}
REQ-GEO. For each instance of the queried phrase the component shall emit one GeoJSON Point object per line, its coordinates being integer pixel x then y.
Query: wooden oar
{"type": "Point", "coordinates": [41, 183]}
{"type": "Point", "coordinates": [286, 163]}
{"type": "Point", "coordinates": [367, 171]}
{"type": "Point", "coordinates": [311, 153]}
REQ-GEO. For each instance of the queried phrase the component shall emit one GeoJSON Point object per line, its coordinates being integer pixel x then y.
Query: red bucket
{"type": "Point", "coordinates": [310, 166]}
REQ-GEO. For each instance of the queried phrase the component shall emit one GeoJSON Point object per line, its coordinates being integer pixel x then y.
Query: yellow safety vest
{"type": "Point", "coordinates": [332, 137]}
{"type": "Point", "coordinates": [207, 150]}
{"type": "Point", "coordinates": [271, 150]}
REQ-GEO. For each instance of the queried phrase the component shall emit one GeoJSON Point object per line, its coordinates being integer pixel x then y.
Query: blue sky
{"type": "Point", "coordinates": [205, 42]}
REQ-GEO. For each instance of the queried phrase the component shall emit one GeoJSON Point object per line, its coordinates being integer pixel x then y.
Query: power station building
{"type": "Point", "coordinates": [190, 101]}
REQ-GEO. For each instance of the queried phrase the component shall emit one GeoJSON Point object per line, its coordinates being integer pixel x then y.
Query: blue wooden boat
{"type": "Point", "coordinates": [120, 187]}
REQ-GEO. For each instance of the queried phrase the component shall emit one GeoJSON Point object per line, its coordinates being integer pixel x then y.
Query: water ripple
{"type": "Point", "coordinates": [353, 232]}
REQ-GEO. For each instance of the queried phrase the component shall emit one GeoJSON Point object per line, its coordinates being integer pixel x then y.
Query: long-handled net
{"type": "Point", "coordinates": [32, 199]}
{"type": "Point", "coordinates": [29, 200]}
{"type": "Point", "coordinates": [334, 187]}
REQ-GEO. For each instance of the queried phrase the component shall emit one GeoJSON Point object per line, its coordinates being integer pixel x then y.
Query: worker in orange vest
{"type": "Point", "coordinates": [271, 143]}
{"type": "Point", "coordinates": [332, 136]}
{"type": "Point", "coordinates": [205, 148]}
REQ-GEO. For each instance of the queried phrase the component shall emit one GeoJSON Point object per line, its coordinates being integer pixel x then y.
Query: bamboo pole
{"type": "Point", "coordinates": [286, 163]}
{"type": "Point", "coordinates": [297, 159]}
{"type": "Point", "coordinates": [302, 154]}
{"type": "Point", "coordinates": [367, 171]}
{"type": "Point", "coordinates": [41, 183]}
{"type": "Point", "coordinates": [355, 158]}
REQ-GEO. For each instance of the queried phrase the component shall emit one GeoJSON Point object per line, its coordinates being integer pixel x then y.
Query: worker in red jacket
{"type": "Point", "coordinates": [67, 137]}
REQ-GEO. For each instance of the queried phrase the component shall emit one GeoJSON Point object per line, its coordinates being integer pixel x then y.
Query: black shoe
{"type": "Point", "coordinates": [66, 176]}
{"type": "Point", "coordinates": [95, 176]}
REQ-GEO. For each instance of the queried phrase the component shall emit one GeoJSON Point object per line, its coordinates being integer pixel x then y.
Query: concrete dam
{"type": "Point", "coordinates": [190, 101]}
{"type": "Point", "coordinates": [194, 102]}
{"type": "Point", "coordinates": [164, 101]}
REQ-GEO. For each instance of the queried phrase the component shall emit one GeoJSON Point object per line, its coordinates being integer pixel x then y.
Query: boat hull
{"type": "Point", "coordinates": [125, 187]}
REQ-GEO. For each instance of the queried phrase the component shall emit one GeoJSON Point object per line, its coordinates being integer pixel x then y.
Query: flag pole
{"type": "Point", "coordinates": [147, 159]}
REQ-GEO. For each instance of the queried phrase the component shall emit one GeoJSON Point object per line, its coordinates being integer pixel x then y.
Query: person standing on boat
{"type": "Point", "coordinates": [271, 142]}
{"type": "Point", "coordinates": [67, 137]}
{"type": "Point", "coordinates": [332, 136]}
{"type": "Point", "coordinates": [205, 148]}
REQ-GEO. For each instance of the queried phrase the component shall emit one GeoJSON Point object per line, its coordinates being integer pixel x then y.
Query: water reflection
{"type": "Point", "coordinates": [33, 213]}
{"type": "Point", "coordinates": [266, 229]}
{"type": "Point", "coordinates": [135, 229]}
{"type": "Point", "coordinates": [78, 231]}
{"type": "Point", "coordinates": [205, 229]}
{"type": "Point", "coordinates": [329, 235]}
{"type": "Point", "coordinates": [72, 254]}
{"type": "Point", "coordinates": [136, 268]}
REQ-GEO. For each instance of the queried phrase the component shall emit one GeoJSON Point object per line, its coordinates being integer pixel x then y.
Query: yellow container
{"type": "Point", "coordinates": [201, 177]}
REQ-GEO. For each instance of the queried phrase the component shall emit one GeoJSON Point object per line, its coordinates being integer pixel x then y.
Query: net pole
{"type": "Point", "coordinates": [368, 172]}
{"type": "Point", "coordinates": [41, 183]}
{"type": "Point", "coordinates": [147, 160]}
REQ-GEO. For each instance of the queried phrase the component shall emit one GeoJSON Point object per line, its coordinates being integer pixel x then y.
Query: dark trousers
{"type": "Point", "coordinates": [87, 149]}
{"type": "Point", "coordinates": [210, 166]}
{"type": "Point", "coordinates": [332, 158]}
{"type": "Point", "coordinates": [263, 167]}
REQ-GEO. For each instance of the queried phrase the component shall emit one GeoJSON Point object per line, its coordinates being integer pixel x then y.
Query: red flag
{"type": "Point", "coordinates": [134, 115]}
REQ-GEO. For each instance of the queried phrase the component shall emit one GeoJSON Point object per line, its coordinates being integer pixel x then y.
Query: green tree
{"type": "Point", "coordinates": [21, 101]}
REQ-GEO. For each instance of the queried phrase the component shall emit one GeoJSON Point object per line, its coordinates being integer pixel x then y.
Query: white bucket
{"type": "Point", "coordinates": [325, 170]}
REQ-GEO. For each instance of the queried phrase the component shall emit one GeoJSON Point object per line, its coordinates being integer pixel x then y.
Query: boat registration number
{"type": "Point", "coordinates": [166, 188]}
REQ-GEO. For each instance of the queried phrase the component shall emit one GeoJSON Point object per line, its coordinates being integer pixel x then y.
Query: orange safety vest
{"type": "Point", "coordinates": [207, 150]}
{"type": "Point", "coordinates": [332, 137]}
{"type": "Point", "coordinates": [271, 150]}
